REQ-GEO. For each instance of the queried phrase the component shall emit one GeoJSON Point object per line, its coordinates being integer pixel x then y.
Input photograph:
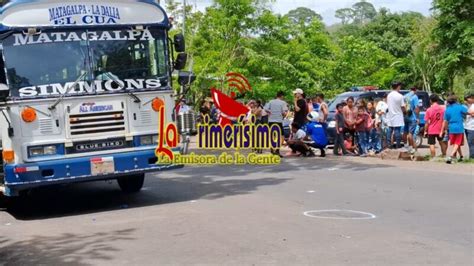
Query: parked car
{"type": "Point", "coordinates": [374, 96]}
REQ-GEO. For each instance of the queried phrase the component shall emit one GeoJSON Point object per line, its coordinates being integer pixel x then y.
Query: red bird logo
{"type": "Point", "coordinates": [230, 108]}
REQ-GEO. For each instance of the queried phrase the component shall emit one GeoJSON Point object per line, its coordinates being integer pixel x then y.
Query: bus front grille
{"type": "Point", "coordinates": [94, 123]}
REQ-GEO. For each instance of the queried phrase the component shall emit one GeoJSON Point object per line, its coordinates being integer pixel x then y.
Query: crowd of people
{"type": "Point", "coordinates": [363, 128]}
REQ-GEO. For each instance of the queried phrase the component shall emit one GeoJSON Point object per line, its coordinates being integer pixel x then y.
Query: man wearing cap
{"type": "Point", "coordinates": [301, 109]}
{"type": "Point", "coordinates": [395, 119]}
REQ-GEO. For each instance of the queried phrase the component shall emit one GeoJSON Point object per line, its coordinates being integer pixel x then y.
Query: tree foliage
{"type": "Point", "coordinates": [282, 52]}
{"type": "Point", "coordinates": [360, 13]}
{"type": "Point", "coordinates": [303, 15]}
{"type": "Point", "coordinates": [363, 12]}
{"type": "Point", "coordinates": [346, 15]}
{"type": "Point", "coordinates": [455, 38]}
{"type": "Point", "coordinates": [361, 62]}
{"type": "Point", "coordinates": [393, 32]}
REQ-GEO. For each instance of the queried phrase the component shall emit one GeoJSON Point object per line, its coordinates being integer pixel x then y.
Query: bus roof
{"type": "Point", "coordinates": [60, 13]}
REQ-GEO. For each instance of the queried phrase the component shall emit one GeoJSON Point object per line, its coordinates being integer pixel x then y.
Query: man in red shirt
{"type": "Point", "coordinates": [433, 126]}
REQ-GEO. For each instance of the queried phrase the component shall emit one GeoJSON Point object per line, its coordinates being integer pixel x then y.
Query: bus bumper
{"type": "Point", "coordinates": [26, 176]}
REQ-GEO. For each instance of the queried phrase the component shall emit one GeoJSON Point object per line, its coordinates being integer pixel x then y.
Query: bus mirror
{"type": "Point", "coordinates": [179, 43]}
{"type": "Point", "coordinates": [180, 62]}
{"type": "Point", "coordinates": [4, 91]}
{"type": "Point", "coordinates": [163, 82]}
{"type": "Point", "coordinates": [186, 78]}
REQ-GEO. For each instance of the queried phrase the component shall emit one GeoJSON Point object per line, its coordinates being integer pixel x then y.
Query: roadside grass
{"type": "Point", "coordinates": [442, 160]}
{"type": "Point", "coordinates": [468, 161]}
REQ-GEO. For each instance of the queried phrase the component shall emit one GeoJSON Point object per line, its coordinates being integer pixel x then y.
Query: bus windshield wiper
{"type": "Point", "coordinates": [53, 106]}
{"type": "Point", "coordinates": [121, 85]}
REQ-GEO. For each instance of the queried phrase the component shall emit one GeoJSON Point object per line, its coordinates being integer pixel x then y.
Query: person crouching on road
{"type": "Point", "coordinates": [296, 142]}
{"type": "Point", "coordinates": [316, 134]}
{"type": "Point", "coordinates": [362, 129]}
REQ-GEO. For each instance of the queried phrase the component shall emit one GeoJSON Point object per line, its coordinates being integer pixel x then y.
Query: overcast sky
{"type": "Point", "coordinates": [327, 7]}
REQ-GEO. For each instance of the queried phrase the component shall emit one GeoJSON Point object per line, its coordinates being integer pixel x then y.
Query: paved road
{"type": "Point", "coordinates": [252, 215]}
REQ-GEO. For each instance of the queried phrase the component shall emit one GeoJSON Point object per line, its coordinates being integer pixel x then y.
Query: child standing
{"type": "Point", "coordinates": [362, 127]}
{"type": "Point", "coordinates": [340, 124]}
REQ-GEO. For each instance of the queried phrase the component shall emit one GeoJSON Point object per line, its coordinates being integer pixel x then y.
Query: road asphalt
{"type": "Point", "coordinates": [366, 212]}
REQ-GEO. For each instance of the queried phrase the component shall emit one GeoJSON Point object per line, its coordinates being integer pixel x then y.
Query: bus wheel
{"type": "Point", "coordinates": [4, 202]}
{"type": "Point", "coordinates": [131, 183]}
{"type": "Point", "coordinates": [418, 140]}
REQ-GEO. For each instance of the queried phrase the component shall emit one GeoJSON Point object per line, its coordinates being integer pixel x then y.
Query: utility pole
{"type": "Point", "coordinates": [184, 17]}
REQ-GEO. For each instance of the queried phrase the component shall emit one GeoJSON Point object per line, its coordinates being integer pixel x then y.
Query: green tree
{"type": "Point", "coordinates": [346, 15]}
{"type": "Point", "coordinates": [303, 16]}
{"type": "Point", "coordinates": [363, 12]}
{"type": "Point", "coordinates": [278, 52]}
{"type": "Point", "coordinates": [423, 60]}
{"type": "Point", "coordinates": [361, 62]}
{"type": "Point", "coordinates": [218, 39]}
{"type": "Point", "coordinates": [455, 38]}
{"type": "Point", "coordinates": [393, 32]}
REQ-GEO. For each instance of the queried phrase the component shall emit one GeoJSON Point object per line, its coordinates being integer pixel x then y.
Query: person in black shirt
{"type": "Point", "coordinates": [205, 108]}
{"type": "Point", "coordinates": [340, 124]}
{"type": "Point", "coordinates": [301, 108]}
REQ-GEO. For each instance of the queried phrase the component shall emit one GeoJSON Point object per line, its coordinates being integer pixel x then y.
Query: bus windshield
{"type": "Point", "coordinates": [48, 63]}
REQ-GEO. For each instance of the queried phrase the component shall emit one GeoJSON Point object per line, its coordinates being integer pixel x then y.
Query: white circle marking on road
{"type": "Point", "coordinates": [323, 214]}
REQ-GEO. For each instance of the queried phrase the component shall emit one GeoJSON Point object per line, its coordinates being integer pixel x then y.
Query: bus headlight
{"type": "Point", "coordinates": [148, 140]}
{"type": "Point", "coordinates": [36, 151]}
{"type": "Point", "coordinates": [42, 150]}
{"type": "Point", "coordinates": [49, 150]}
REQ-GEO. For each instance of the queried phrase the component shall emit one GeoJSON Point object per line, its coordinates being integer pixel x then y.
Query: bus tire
{"type": "Point", "coordinates": [131, 183]}
{"type": "Point", "coordinates": [4, 202]}
{"type": "Point", "coordinates": [418, 140]}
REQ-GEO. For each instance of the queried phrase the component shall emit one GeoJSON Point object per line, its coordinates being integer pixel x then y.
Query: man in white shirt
{"type": "Point", "coordinates": [296, 142]}
{"type": "Point", "coordinates": [182, 107]}
{"type": "Point", "coordinates": [395, 120]}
